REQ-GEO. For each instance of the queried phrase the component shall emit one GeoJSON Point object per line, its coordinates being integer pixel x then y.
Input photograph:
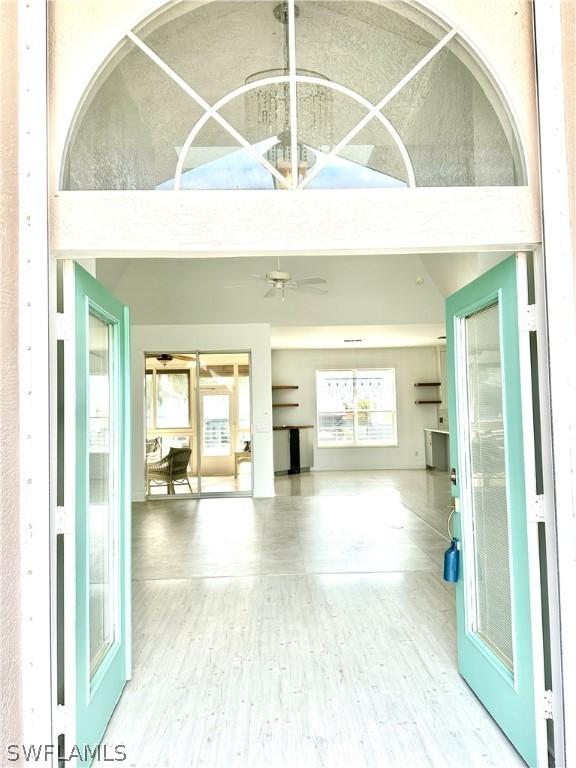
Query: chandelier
{"type": "Point", "coordinates": [268, 111]}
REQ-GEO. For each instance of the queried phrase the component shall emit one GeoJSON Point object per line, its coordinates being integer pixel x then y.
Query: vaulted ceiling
{"type": "Point", "coordinates": [393, 298]}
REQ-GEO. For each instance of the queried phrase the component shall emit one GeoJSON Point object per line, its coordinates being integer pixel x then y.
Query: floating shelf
{"type": "Point", "coordinates": [427, 384]}
{"type": "Point", "coordinates": [285, 405]}
{"type": "Point", "coordinates": [285, 386]}
{"type": "Point", "coordinates": [427, 402]}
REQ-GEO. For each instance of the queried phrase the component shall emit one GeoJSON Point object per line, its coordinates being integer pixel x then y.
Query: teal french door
{"type": "Point", "coordinates": [102, 452]}
{"type": "Point", "coordinates": [496, 643]}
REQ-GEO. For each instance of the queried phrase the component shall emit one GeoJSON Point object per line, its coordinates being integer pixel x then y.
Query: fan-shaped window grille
{"type": "Point", "coordinates": [314, 94]}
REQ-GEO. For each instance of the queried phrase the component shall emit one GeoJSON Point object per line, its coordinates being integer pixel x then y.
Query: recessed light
{"type": "Point", "coordinates": [352, 341]}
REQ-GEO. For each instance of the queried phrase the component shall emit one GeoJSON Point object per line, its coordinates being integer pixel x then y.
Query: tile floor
{"type": "Point", "coordinates": [305, 631]}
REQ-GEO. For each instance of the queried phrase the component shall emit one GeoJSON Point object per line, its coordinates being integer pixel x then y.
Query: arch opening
{"type": "Point", "coordinates": [239, 95]}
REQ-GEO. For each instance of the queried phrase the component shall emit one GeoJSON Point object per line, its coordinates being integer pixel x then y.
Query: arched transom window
{"type": "Point", "coordinates": [313, 94]}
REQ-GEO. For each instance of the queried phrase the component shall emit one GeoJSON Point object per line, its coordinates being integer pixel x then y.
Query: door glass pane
{"type": "Point", "coordinates": [244, 426]}
{"type": "Point", "coordinates": [173, 399]}
{"type": "Point", "coordinates": [493, 614]}
{"type": "Point", "coordinates": [149, 412]}
{"type": "Point", "coordinates": [216, 425]}
{"type": "Point", "coordinates": [226, 430]}
{"type": "Point", "coordinates": [102, 502]}
{"type": "Point", "coordinates": [171, 421]}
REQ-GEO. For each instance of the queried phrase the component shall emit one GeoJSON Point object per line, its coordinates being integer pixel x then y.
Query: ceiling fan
{"type": "Point", "coordinates": [166, 358]}
{"type": "Point", "coordinates": [280, 281]}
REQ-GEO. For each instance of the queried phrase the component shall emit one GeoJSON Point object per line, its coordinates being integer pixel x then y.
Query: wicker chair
{"type": "Point", "coordinates": [171, 470]}
{"type": "Point", "coordinates": [153, 449]}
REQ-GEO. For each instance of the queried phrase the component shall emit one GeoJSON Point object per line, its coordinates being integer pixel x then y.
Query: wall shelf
{"type": "Point", "coordinates": [276, 387]}
{"type": "Point", "coordinates": [436, 400]}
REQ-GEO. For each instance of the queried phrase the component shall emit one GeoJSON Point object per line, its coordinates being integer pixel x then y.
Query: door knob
{"type": "Point", "coordinates": [453, 476]}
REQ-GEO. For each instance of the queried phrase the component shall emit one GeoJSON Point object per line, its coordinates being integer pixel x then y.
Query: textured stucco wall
{"type": "Point", "coordinates": [10, 708]}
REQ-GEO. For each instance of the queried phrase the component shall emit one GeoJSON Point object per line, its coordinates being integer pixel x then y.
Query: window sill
{"type": "Point", "coordinates": [359, 445]}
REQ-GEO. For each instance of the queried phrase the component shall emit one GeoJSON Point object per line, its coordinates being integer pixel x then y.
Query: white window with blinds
{"type": "Point", "coordinates": [356, 407]}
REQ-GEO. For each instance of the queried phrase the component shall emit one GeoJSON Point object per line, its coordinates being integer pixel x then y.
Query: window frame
{"type": "Point", "coordinates": [354, 412]}
{"type": "Point", "coordinates": [167, 430]}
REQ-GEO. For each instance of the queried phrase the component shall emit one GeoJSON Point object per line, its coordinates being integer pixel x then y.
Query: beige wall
{"type": "Point", "coordinates": [10, 704]}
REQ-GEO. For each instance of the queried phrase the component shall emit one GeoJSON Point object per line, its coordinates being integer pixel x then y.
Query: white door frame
{"type": "Point", "coordinates": [561, 308]}
{"type": "Point", "coordinates": [37, 334]}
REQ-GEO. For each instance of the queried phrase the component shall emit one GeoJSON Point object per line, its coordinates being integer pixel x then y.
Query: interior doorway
{"type": "Point", "coordinates": [198, 423]}
{"type": "Point", "coordinates": [376, 530]}
{"type": "Point", "coordinates": [314, 113]}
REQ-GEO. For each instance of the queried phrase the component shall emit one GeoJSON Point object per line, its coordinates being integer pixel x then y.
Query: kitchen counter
{"type": "Point", "coordinates": [436, 448]}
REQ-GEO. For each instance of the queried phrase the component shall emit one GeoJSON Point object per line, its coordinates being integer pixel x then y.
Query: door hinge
{"type": "Point", "coordinates": [536, 509]}
{"type": "Point", "coordinates": [529, 321]}
{"type": "Point", "coordinates": [63, 327]}
{"type": "Point", "coordinates": [63, 520]}
{"type": "Point", "coordinates": [545, 707]}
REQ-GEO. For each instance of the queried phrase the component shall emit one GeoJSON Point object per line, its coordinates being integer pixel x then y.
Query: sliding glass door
{"type": "Point", "coordinates": [199, 431]}
{"type": "Point", "coordinates": [171, 424]}
{"type": "Point", "coordinates": [226, 443]}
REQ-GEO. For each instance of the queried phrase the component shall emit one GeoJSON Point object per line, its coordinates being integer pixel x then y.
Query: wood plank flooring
{"type": "Point", "coordinates": [304, 631]}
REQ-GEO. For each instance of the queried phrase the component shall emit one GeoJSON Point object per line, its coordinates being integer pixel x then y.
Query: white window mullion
{"type": "Point", "coordinates": [205, 105]}
{"type": "Point", "coordinates": [375, 110]}
{"type": "Point", "coordinates": [293, 92]}
{"type": "Point", "coordinates": [338, 427]}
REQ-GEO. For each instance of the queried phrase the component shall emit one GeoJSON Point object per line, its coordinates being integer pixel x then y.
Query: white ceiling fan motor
{"type": "Point", "coordinates": [275, 276]}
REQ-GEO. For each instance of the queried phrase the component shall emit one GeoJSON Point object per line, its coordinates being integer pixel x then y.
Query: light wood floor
{"type": "Point", "coordinates": [306, 631]}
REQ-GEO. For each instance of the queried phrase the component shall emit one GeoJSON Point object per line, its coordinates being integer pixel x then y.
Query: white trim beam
{"type": "Point", "coordinates": [189, 223]}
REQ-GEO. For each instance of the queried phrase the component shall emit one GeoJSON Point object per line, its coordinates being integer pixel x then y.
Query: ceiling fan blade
{"type": "Point", "coordinates": [310, 281]}
{"type": "Point", "coordinates": [188, 358]}
{"type": "Point", "coordinates": [239, 285]}
{"type": "Point", "coordinates": [260, 277]}
{"type": "Point", "coordinates": [309, 289]}
{"type": "Point", "coordinates": [269, 293]}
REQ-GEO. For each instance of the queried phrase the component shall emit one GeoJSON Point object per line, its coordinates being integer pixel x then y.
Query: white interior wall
{"type": "Point", "coordinates": [411, 364]}
{"type": "Point", "coordinates": [249, 337]}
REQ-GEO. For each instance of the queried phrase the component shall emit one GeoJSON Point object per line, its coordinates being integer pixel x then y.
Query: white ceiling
{"type": "Point", "coordinates": [371, 336]}
{"type": "Point", "coordinates": [384, 300]}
